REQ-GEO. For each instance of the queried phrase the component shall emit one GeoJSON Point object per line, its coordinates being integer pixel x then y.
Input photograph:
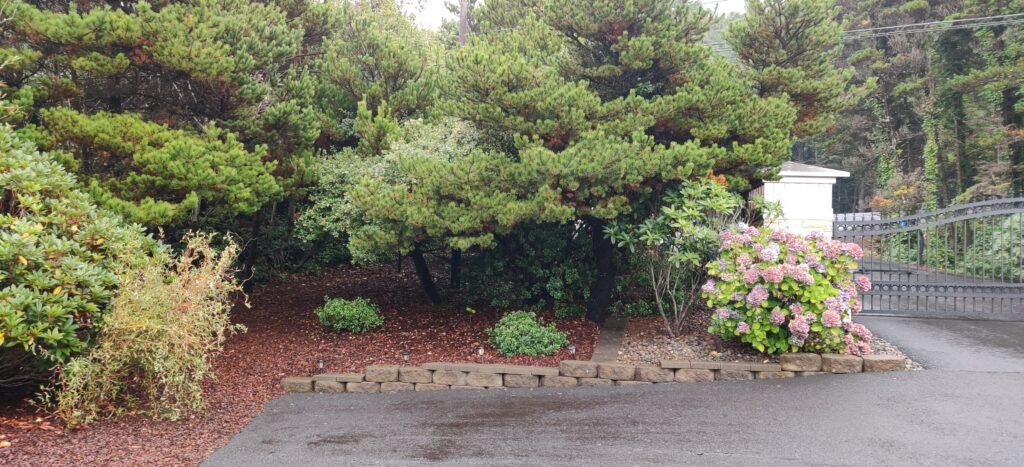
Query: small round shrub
{"type": "Point", "coordinates": [358, 315]}
{"type": "Point", "coordinates": [780, 292]}
{"type": "Point", "coordinates": [520, 333]}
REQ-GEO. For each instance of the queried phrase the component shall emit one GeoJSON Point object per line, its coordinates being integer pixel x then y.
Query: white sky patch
{"type": "Point", "coordinates": [429, 13]}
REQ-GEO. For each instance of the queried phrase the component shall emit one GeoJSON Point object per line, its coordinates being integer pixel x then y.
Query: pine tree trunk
{"type": "Point", "coordinates": [426, 280]}
{"type": "Point", "coordinates": [456, 269]}
{"type": "Point", "coordinates": [252, 254]}
{"type": "Point", "coordinates": [604, 283]}
{"type": "Point", "coordinates": [1013, 120]}
{"type": "Point", "coordinates": [463, 21]}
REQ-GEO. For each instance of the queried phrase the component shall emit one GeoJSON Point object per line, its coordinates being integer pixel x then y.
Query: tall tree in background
{"type": "Point", "coordinates": [792, 48]}
{"type": "Point", "coordinates": [940, 126]}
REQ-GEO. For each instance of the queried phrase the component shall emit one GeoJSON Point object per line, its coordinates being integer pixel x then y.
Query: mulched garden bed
{"type": "Point", "coordinates": [647, 342]}
{"type": "Point", "coordinates": [284, 338]}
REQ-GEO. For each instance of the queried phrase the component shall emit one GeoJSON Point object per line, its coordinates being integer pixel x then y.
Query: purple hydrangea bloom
{"type": "Point", "coordinates": [757, 296]}
{"type": "Point", "coordinates": [770, 253]}
{"type": "Point", "coordinates": [723, 313]}
{"type": "Point", "coordinates": [743, 328]}
{"type": "Point", "coordinates": [777, 317]}
{"type": "Point", "coordinates": [709, 286]}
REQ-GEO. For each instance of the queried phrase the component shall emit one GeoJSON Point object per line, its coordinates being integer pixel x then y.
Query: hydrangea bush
{"type": "Point", "coordinates": [781, 292]}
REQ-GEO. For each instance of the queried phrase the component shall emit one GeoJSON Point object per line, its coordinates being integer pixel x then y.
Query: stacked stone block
{"type": "Point", "coordinates": [572, 373]}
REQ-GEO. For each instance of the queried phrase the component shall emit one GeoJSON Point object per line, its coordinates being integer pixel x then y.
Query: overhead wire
{"type": "Point", "coordinates": [916, 28]}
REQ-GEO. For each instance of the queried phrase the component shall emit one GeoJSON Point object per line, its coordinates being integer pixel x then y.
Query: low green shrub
{"type": "Point", "coordinates": [358, 315]}
{"type": "Point", "coordinates": [520, 333]}
{"type": "Point", "coordinates": [156, 345]}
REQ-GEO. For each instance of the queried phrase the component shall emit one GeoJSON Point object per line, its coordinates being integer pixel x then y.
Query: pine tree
{"type": "Point", "coordinates": [598, 108]}
{"type": "Point", "coordinates": [793, 49]}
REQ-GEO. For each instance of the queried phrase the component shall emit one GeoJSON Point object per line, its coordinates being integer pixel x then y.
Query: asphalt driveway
{"type": "Point", "coordinates": [951, 414]}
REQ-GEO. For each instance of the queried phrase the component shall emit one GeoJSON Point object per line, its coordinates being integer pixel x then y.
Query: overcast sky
{"type": "Point", "coordinates": [432, 11]}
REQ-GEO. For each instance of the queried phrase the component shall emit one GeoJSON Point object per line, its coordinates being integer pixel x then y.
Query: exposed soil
{"type": "Point", "coordinates": [284, 338]}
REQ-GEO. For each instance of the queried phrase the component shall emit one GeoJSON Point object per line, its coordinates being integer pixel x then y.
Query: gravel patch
{"type": "Point", "coordinates": [881, 346]}
{"type": "Point", "coordinates": [647, 343]}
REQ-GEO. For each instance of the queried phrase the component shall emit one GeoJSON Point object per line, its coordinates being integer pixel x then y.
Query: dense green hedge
{"type": "Point", "coordinates": [60, 256]}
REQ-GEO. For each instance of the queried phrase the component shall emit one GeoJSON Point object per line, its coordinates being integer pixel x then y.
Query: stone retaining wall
{"type": "Point", "coordinates": [571, 373]}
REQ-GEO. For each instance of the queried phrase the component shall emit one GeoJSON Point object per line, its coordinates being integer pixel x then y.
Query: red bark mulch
{"type": "Point", "coordinates": [284, 338]}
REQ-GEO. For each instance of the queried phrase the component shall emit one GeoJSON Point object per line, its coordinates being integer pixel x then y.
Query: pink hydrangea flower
{"type": "Point", "coordinates": [751, 276]}
{"type": "Point", "coordinates": [831, 318]}
{"type": "Point", "coordinates": [723, 313]}
{"type": "Point", "coordinates": [863, 283]}
{"type": "Point", "coordinates": [772, 274]}
{"type": "Point", "coordinates": [709, 286]}
{"type": "Point", "coordinates": [777, 317]}
{"type": "Point", "coordinates": [800, 273]}
{"type": "Point", "coordinates": [797, 309]}
{"type": "Point", "coordinates": [832, 249]}
{"type": "Point", "coordinates": [743, 328]}
{"type": "Point", "coordinates": [797, 244]}
{"type": "Point", "coordinates": [853, 250]}
{"type": "Point", "coordinates": [798, 327]}
{"type": "Point", "coordinates": [833, 304]}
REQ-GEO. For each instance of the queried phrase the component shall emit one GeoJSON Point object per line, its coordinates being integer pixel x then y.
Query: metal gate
{"type": "Point", "coordinates": [963, 261]}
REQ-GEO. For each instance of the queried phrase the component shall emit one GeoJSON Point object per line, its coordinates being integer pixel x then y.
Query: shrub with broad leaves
{"type": "Point", "coordinates": [358, 315]}
{"type": "Point", "coordinates": [781, 292]}
{"type": "Point", "coordinates": [60, 257]}
{"type": "Point", "coordinates": [520, 333]}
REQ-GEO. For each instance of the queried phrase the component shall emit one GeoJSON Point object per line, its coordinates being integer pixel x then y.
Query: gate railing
{"type": "Point", "coordinates": [964, 260]}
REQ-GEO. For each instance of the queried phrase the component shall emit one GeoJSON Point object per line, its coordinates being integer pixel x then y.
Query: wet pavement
{"type": "Point", "coordinates": [951, 344]}
{"type": "Point", "coordinates": [965, 410]}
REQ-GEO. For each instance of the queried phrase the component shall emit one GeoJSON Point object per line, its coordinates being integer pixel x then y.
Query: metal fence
{"type": "Point", "coordinates": [962, 261]}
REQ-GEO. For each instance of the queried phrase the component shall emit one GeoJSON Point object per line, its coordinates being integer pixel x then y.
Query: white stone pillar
{"type": "Point", "coordinates": [805, 193]}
